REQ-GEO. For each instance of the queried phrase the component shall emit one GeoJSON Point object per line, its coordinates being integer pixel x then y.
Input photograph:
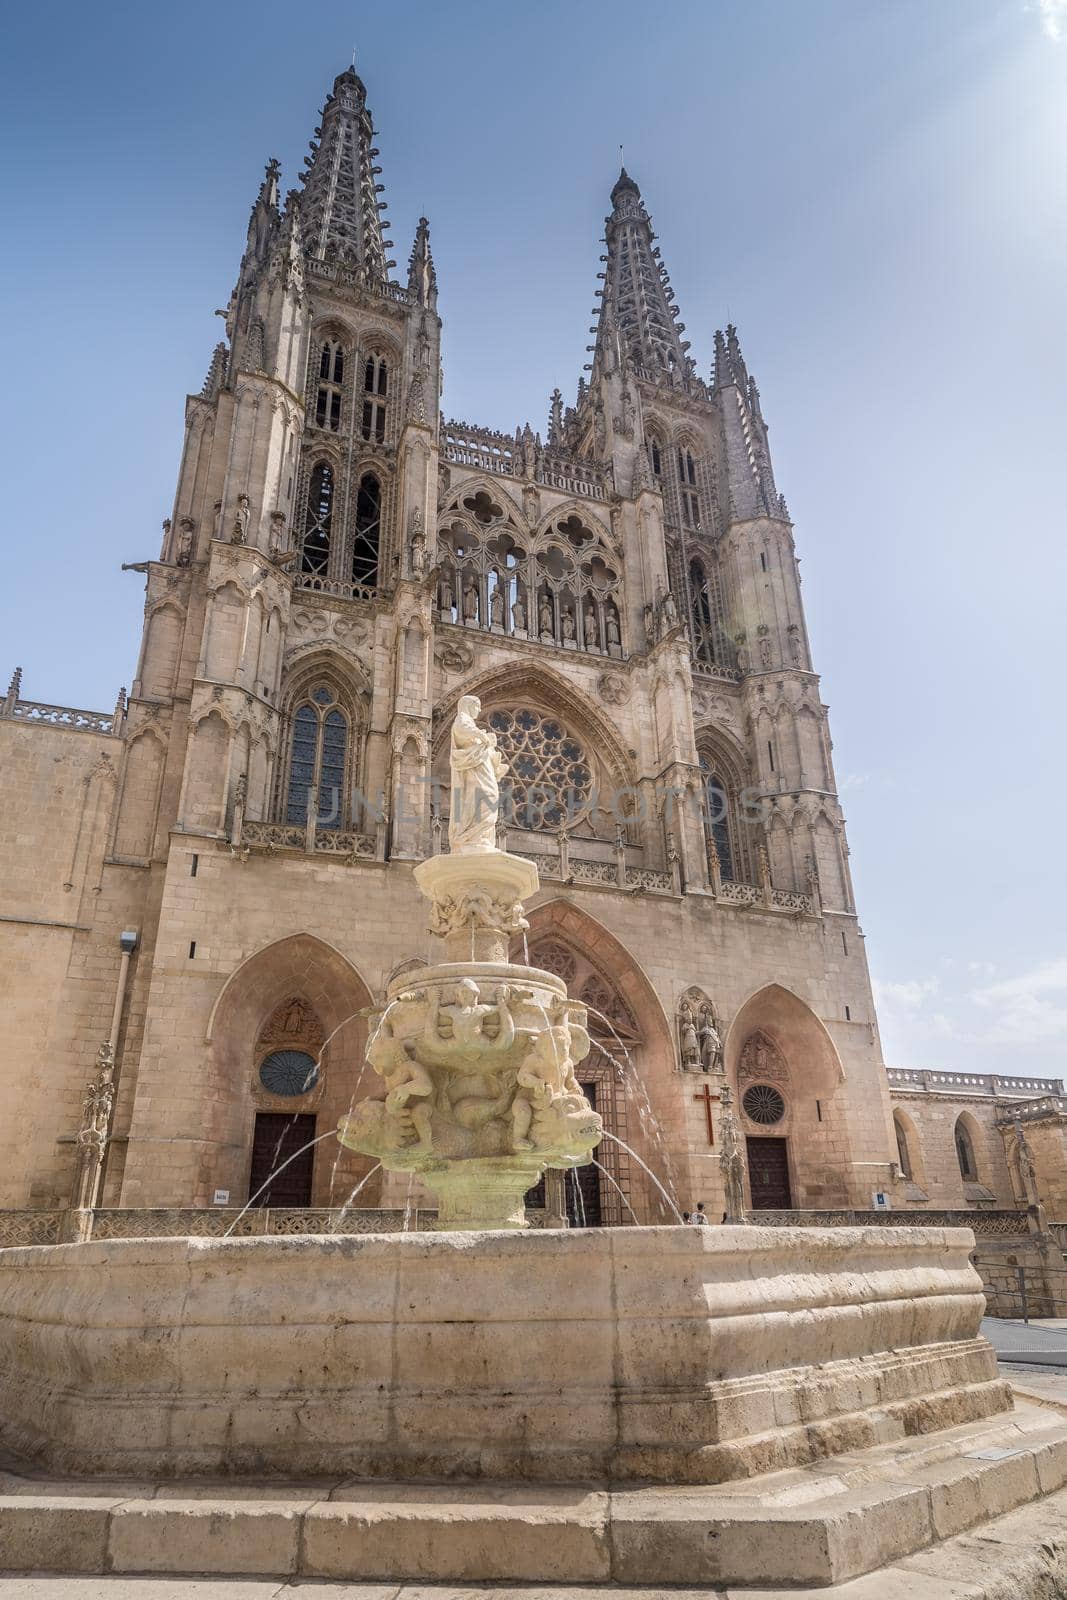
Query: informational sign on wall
{"type": "Point", "coordinates": [881, 1200]}
{"type": "Point", "coordinates": [222, 1197]}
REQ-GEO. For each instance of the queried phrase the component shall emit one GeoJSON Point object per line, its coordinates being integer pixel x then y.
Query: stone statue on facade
{"type": "Point", "coordinates": [568, 623]}
{"type": "Point", "coordinates": [711, 1050]}
{"type": "Point", "coordinates": [496, 609]}
{"type": "Point", "coordinates": [544, 618]}
{"type": "Point", "coordinates": [688, 1042]}
{"type": "Point", "coordinates": [239, 532]}
{"type": "Point", "coordinates": [518, 616]}
{"type": "Point", "coordinates": [470, 602]}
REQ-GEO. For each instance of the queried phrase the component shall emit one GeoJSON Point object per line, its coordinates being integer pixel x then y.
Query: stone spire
{"type": "Point", "coordinates": [422, 278]}
{"type": "Point", "coordinates": [751, 476]}
{"type": "Point", "coordinates": [638, 318]}
{"type": "Point", "coordinates": [340, 210]}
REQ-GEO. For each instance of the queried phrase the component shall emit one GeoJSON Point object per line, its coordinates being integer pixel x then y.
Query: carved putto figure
{"type": "Point", "coordinates": [476, 769]}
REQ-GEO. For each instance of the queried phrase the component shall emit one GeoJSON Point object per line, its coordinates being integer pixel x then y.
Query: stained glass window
{"type": "Point", "coordinates": [717, 816]}
{"type": "Point", "coordinates": [550, 774]}
{"type": "Point", "coordinates": [319, 751]}
{"type": "Point", "coordinates": [289, 1072]}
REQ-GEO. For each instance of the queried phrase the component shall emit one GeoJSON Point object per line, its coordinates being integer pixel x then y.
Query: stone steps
{"type": "Point", "coordinates": [823, 1524]}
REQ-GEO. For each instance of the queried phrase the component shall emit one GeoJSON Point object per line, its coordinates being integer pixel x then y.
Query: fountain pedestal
{"type": "Point", "coordinates": [477, 1055]}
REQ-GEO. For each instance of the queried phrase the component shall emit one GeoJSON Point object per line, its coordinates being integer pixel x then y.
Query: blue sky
{"type": "Point", "coordinates": [876, 193]}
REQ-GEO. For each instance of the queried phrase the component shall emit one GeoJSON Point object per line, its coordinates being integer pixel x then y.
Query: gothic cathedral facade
{"type": "Point", "coordinates": [224, 868]}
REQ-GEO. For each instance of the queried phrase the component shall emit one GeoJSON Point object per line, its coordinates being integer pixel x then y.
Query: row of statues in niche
{"type": "Point", "coordinates": [470, 608]}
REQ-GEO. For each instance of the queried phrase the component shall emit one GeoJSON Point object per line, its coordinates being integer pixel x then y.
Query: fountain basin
{"type": "Point", "coordinates": [667, 1355]}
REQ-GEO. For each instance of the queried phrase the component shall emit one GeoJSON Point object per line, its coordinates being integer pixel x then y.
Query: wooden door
{"type": "Point", "coordinates": [768, 1175]}
{"type": "Point", "coordinates": [278, 1136]}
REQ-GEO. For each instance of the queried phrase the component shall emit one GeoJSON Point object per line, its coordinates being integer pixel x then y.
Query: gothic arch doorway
{"type": "Point", "coordinates": [286, 1044]}
{"type": "Point", "coordinates": [786, 1076]}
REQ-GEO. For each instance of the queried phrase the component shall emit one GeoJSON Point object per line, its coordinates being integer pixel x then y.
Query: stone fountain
{"type": "Point", "coordinates": [493, 1406]}
{"type": "Point", "coordinates": [478, 1059]}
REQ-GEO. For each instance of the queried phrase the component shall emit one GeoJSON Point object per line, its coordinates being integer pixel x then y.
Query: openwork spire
{"type": "Point", "coordinates": [340, 209]}
{"type": "Point", "coordinates": [752, 489]}
{"type": "Point", "coordinates": [638, 318]}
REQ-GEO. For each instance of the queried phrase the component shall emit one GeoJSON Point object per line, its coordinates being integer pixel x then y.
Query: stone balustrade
{"type": "Point", "coordinates": [21, 1228]}
{"type": "Point", "coordinates": [919, 1079]}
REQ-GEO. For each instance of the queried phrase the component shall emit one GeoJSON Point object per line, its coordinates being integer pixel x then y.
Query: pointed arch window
{"type": "Point", "coordinates": [719, 806]}
{"type": "Point", "coordinates": [331, 379]}
{"type": "Point", "coordinates": [965, 1153]}
{"type": "Point", "coordinates": [318, 521]}
{"type": "Point", "coordinates": [318, 760]}
{"type": "Point", "coordinates": [656, 457]}
{"type": "Point", "coordinates": [903, 1153]}
{"type": "Point", "coordinates": [702, 614]}
{"type": "Point", "coordinates": [366, 544]}
{"type": "Point", "coordinates": [375, 397]}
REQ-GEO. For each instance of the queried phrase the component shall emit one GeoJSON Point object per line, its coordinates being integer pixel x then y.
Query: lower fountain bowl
{"type": "Point", "coordinates": [667, 1354]}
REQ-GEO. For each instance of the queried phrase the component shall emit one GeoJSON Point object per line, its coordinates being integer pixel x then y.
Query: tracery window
{"type": "Point", "coordinates": [965, 1153]}
{"type": "Point", "coordinates": [564, 591]}
{"type": "Point", "coordinates": [366, 543]}
{"type": "Point", "coordinates": [702, 631]}
{"type": "Point", "coordinates": [720, 822]}
{"type": "Point", "coordinates": [550, 775]}
{"type": "Point", "coordinates": [331, 379]}
{"type": "Point", "coordinates": [318, 758]}
{"type": "Point", "coordinates": [655, 456]}
{"type": "Point", "coordinates": [318, 520]}
{"type": "Point", "coordinates": [687, 471]}
{"type": "Point", "coordinates": [375, 397]}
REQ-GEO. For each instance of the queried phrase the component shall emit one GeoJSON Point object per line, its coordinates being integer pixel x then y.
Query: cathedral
{"type": "Point", "coordinates": [205, 890]}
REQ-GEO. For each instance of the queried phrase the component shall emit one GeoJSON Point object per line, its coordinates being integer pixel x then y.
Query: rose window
{"type": "Point", "coordinates": [763, 1104]}
{"type": "Point", "coordinates": [549, 778]}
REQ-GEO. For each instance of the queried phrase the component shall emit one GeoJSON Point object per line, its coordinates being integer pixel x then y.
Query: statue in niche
{"type": "Point", "coordinates": [568, 623]}
{"type": "Point", "coordinates": [794, 644]}
{"type": "Point", "coordinates": [592, 632]}
{"type": "Point", "coordinates": [545, 619]}
{"type": "Point", "coordinates": [613, 626]}
{"type": "Point", "coordinates": [518, 616]}
{"type": "Point", "coordinates": [186, 533]}
{"type": "Point", "coordinates": [166, 539]}
{"type": "Point", "coordinates": [711, 1051]}
{"type": "Point", "coordinates": [418, 544]}
{"type": "Point", "coordinates": [687, 1038]}
{"type": "Point", "coordinates": [762, 1061]}
{"type": "Point", "coordinates": [476, 769]}
{"type": "Point", "coordinates": [765, 651]}
{"type": "Point", "coordinates": [470, 603]}
{"type": "Point", "coordinates": [496, 609]}
{"type": "Point", "coordinates": [239, 534]}
{"type": "Point", "coordinates": [650, 629]}
{"type": "Point", "coordinates": [447, 598]}
{"type": "Point", "coordinates": [670, 612]}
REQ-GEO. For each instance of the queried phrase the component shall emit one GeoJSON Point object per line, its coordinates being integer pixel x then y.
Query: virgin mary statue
{"type": "Point", "coordinates": [476, 768]}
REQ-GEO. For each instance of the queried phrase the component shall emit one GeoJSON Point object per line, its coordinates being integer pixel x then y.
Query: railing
{"type": "Point", "coordinates": [270, 837]}
{"type": "Point", "coordinates": [331, 586]}
{"type": "Point", "coordinates": [377, 288]}
{"type": "Point", "coordinates": [1021, 1284]}
{"type": "Point", "coordinates": [704, 669]}
{"type": "Point", "coordinates": [991, 1084]}
{"type": "Point", "coordinates": [63, 716]}
{"type": "Point", "coordinates": [21, 1228]}
{"type": "Point", "coordinates": [740, 894]}
{"type": "Point", "coordinates": [986, 1224]}
{"type": "Point", "coordinates": [1050, 1105]}
{"type": "Point", "coordinates": [487, 450]}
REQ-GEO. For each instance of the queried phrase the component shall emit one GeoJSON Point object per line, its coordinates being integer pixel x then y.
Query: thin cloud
{"type": "Point", "coordinates": [906, 996]}
{"type": "Point", "coordinates": [1053, 15]}
{"type": "Point", "coordinates": [1029, 1009]}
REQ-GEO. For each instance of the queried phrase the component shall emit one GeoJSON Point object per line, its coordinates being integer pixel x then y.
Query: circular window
{"type": "Point", "coordinates": [764, 1104]}
{"type": "Point", "coordinates": [289, 1072]}
{"type": "Point", "coordinates": [550, 772]}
